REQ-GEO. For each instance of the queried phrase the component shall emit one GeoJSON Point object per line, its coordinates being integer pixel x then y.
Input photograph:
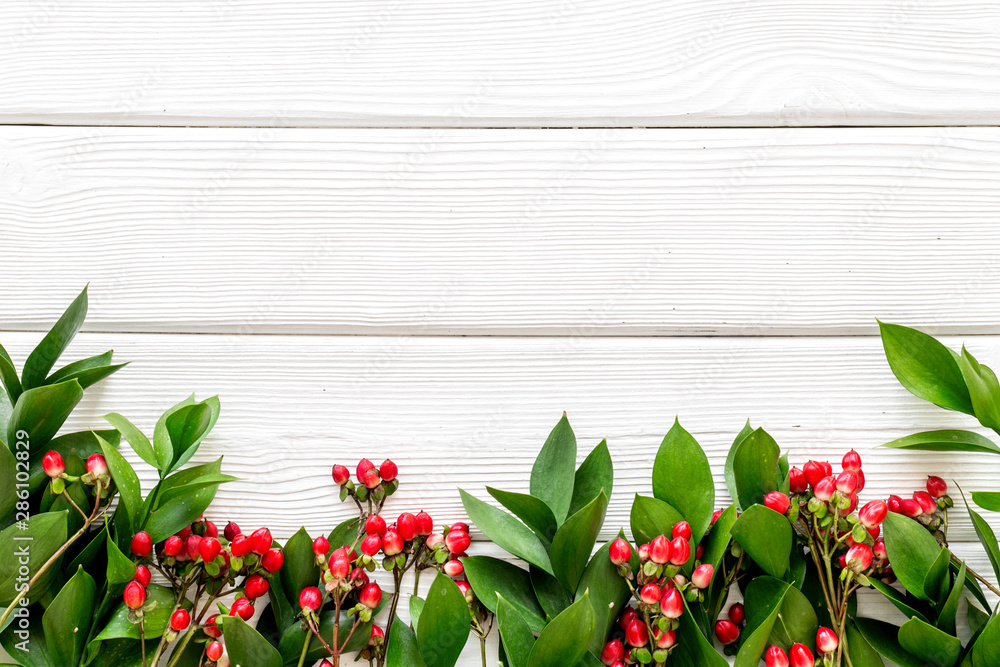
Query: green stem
{"type": "Point", "coordinates": [482, 649]}
{"type": "Point", "coordinates": [305, 649]}
{"type": "Point", "coordinates": [179, 649]}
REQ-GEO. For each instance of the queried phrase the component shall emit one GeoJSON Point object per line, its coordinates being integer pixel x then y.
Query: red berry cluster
{"type": "Point", "coordinates": [929, 507]}
{"type": "Point", "coordinates": [97, 473]}
{"type": "Point", "coordinates": [659, 590]}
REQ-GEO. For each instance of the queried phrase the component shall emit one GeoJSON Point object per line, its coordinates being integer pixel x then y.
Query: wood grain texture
{"type": "Point", "coordinates": [512, 63]}
{"type": "Point", "coordinates": [471, 412]}
{"type": "Point", "coordinates": [518, 232]}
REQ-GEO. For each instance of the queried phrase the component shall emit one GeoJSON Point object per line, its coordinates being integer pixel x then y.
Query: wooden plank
{"type": "Point", "coordinates": [516, 232]}
{"type": "Point", "coordinates": [515, 63]}
{"type": "Point", "coordinates": [475, 411]}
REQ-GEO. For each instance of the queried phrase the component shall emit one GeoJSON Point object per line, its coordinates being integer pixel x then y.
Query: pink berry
{"type": "Point", "coordinates": [775, 657]}
{"type": "Point", "coordinates": [240, 546]}
{"type": "Point", "coordinates": [702, 576]}
{"type": "Point", "coordinates": [879, 549]}
{"type": "Point", "coordinates": [910, 507]}
{"type": "Point", "coordinates": [826, 640]}
{"type": "Point", "coordinates": [310, 598]}
{"type": "Point", "coordinates": [664, 639]}
{"type": "Point", "coordinates": [376, 637]}
{"type": "Point", "coordinates": [453, 568]}
{"type": "Point", "coordinates": [210, 628]}
{"type": "Point", "coordinates": [814, 472]}
{"type": "Point", "coordinates": [680, 551]}
{"type": "Point", "coordinates": [682, 529]}
{"type": "Point", "coordinates": [777, 501]}
{"type": "Point", "coordinates": [650, 594]}
{"type": "Point", "coordinates": [371, 545]}
{"type": "Point", "coordinates": [392, 543]}
{"type": "Point", "coordinates": [135, 595]}
{"type": "Point", "coordinates": [851, 461]}
{"type": "Point", "coordinates": [243, 608]}
{"type": "Point", "coordinates": [801, 656]}
{"type": "Point", "coordinates": [825, 488]}
{"type": "Point", "coordinates": [53, 464]}
{"type": "Point", "coordinates": [847, 481]}
{"type": "Point", "coordinates": [672, 603]}
{"type": "Point", "coordinates": [873, 514]}
{"type": "Point", "coordinates": [142, 544]}
{"type": "Point", "coordinates": [209, 549]}
{"type": "Point", "coordinates": [859, 557]}
{"type": "Point", "coordinates": [620, 552]}
{"type": "Point", "coordinates": [96, 465]}
{"type": "Point", "coordinates": [660, 550]}
{"type": "Point", "coordinates": [364, 465]}
{"type": "Point", "coordinates": [927, 504]}
{"type": "Point", "coordinates": [172, 546]}
{"type": "Point", "coordinates": [213, 651]}
{"type": "Point", "coordinates": [937, 487]}
{"type": "Point", "coordinates": [388, 470]}
{"type": "Point", "coordinates": [142, 575]}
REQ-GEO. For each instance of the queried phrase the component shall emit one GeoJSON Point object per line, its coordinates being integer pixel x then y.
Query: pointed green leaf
{"type": "Point", "coordinates": [55, 342]}
{"type": "Point", "coordinates": [121, 569]}
{"type": "Point", "coordinates": [553, 474]}
{"type": "Point", "coordinates": [574, 542]}
{"type": "Point", "coordinates": [246, 646]}
{"type": "Point", "coordinates": [925, 367]}
{"type": "Point", "coordinates": [898, 599]}
{"type": "Point", "coordinates": [416, 608]}
{"type": "Point", "coordinates": [651, 517]}
{"type": "Point", "coordinates": [129, 490]}
{"type": "Point", "coordinates": [719, 538]}
{"type": "Point", "coordinates": [927, 642]}
{"type": "Point", "coordinates": [882, 637]}
{"type": "Point", "coordinates": [912, 551]}
{"type": "Point", "coordinates": [531, 510]}
{"type": "Point", "coordinates": [558, 644]}
{"type": "Point", "coordinates": [41, 412]}
{"type": "Point", "coordinates": [86, 375]}
{"type": "Point", "coordinates": [683, 479]}
{"type": "Point", "coordinates": [983, 389]}
{"type": "Point", "coordinates": [401, 647]}
{"type": "Point", "coordinates": [986, 537]}
{"type": "Point", "coordinates": [517, 637]}
{"type": "Point", "coordinates": [755, 468]}
{"type": "Point", "coordinates": [186, 428]}
{"type": "Point", "coordinates": [861, 652]}
{"type": "Point", "coordinates": [948, 613]}
{"type": "Point", "coordinates": [45, 533]}
{"type": "Point", "coordinates": [986, 650]}
{"type": "Point", "coordinates": [608, 592]}
{"type": "Point", "coordinates": [300, 569]}
{"type": "Point", "coordinates": [594, 475]}
{"type": "Point", "coordinates": [68, 618]}
{"type": "Point", "coordinates": [8, 375]}
{"type": "Point", "coordinates": [160, 605]}
{"type": "Point", "coordinates": [988, 500]}
{"type": "Point", "coordinates": [693, 649]}
{"type": "Point", "coordinates": [731, 457]}
{"type": "Point", "coordinates": [492, 578]}
{"type": "Point", "coordinates": [506, 532]}
{"type": "Point", "coordinates": [937, 577]}
{"type": "Point", "coordinates": [444, 627]}
{"type": "Point", "coordinates": [134, 437]}
{"type": "Point", "coordinates": [550, 594]}
{"type": "Point", "coordinates": [766, 536]}
{"type": "Point", "coordinates": [760, 623]}
{"type": "Point", "coordinates": [946, 441]}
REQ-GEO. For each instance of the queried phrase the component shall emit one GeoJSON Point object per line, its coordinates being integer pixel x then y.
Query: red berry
{"type": "Point", "coordinates": [937, 487]}
{"type": "Point", "coordinates": [142, 544]}
{"type": "Point", "coordinates": [260, 541]}
{"type": "Point", "coordinates": [680, 551]}
{"type": "Point", "coordinates": [453, 568]}
{"type": "Point", "coordinates": [392, 543]}
{"type": "Point", "coordinates": [406, 524]}
{"type": "Point", "coordinates": [847, 481]}
{"type": "Point", "coordinates": [910, 507]}
{"type": "Point", "coordinates": [826, 640]}
{"type": "Point", "coordinates": [184, 533]}
{"type": "Point", "coordinates": [825, 488]}
{"type": "Point", "coordinates": [893, 504]}
{"type": "Point", "coordinates": [859, 557]}
{"type": "Point", "coordinates": [321, 546]}
{"type": "Point", "coordinates": [851, 461]}
{"type": "Point", "coordinates": [375, 525]}
{"type": "Point", "coordinates": [240, 546]}
{"type": "Point", "coordinates": [801, 656]}
{"type": "Point", "coordinates": [737, 613]}
{"type": "Point", "coordinates": [364, 465]}
{"type": "Point", "coordinates": [614, 651]}
{"type": "Point", "coordinates": [861, 481]}
{"type": "Point", "coordinates": [53, 464]}
{"type": "Point", "coordinates": [210, 628]}
{"type": "Point", "coordinates": [464, 527]}
{"type": "Point", "coordinates": [814, 472]}
{"type": "Point", "coordinates": [637, 634]}
{"type": "Point", "coordinates": [243, 608]}
{"type": "Point", "coordinates": [726, 632]}
{"type": "Point", "coordinates": [272, 560]}
{"type": "Point", "coordinates": [629, 615]}
{"type": "Point", "coordinates": [650, 594]}
{"type": "Point", "coordinates": [211, 530]}
{"type": "Point", "coordinates": [142, 575]}
{"type": "Point", "coordinates": [682, 529]}
{"type": "Point", "coordinates": [359, 578]}
{"type": "Point", "coordinates": [620, 552]}
{"type": "Point", "coordinates": [879, 549]}
{"type": "Point", "coordinates": [853, 497]}
{"type": "Point", "coordinates": [777, 501]}
{"type": "Point", "coordinates": [425, 524]}
{"type": "Point", "coordinates": [873, 514]}
{"type": "Point", "coordinates": [173, 546]}
{"type": "Point", "coordinates": [310, 598]}
{"type": "Point", "coordinates": [434, 539]}
{"type": "Point", "coordinates": [660, 550]}
{"type": "Point", "coordinates": [797, 482]}
{"type": "Point", "coordinates": [672, 603]}
{"type": "Point", "coordinates": [927, 504]}
{"type": "Point", "coordinates": [213, 651]}
{"type": "Point", "coordinates": [643, 551]}
{"type": "Point", "coordinates": [371, 478]}
{"type": "Point", "coordinates": [209, 549]}
{"type": "Point", "coordinates": [231, 531]}
{"type": "Point", "coordinates": [388, 470]}
{"type": "Point", "coordinates": [135, 595]}
{"type": "Point", "coordinates": [664, 639]}
{"type": "Point", "coordinates": [457, 541]}
{"type": "Point", "coordinates": [341, 475]}
{"type": "Point", "coordinates": [775, 657]}
{"type": "Point", "coordinates": [371, 545]}
{"type": "Point", "coordinates": [193, 546]}
{"type": "Point", "coordinates": [370, 596]}
{"type": "Point", "coordinates": [180, 620]}
{"type": "Point", "coordinates": [376, 637]}
{"type": "Point", "coordinates": [466, 589]}
{"type": "Point", "coordinates": [96, 465]}
{"type": "Point", "coordinates": [702, 576]}
{"type": "Point", "coordinates": [256, 586]}
{"type": "Point", "coordinates": [340, 566]}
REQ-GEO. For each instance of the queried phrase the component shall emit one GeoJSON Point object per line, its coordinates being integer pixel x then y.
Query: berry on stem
{"type": "Point", "coordinates": [682, 529]}
{"type": "Point", "coordinates": [209, 549]}
{"type": "Point", "coordinates": [376, 637]}
{"type": "Point", "coordinates": [260, 541]}
{"type": "Point", "coordinates": [371, 545]}
{"type": "Point", "coordinates": [97, 465]}
{"type": "Point", "coordinates": [240, 546]}
{"type": "Point", "coordinates": [310, 598]}
{"type": "Point", "coordinates": [406, 525]}
{"type": "Point", "coordinates": [388, 470]}
{"type": "Point", "coordinates": [53, 464]}
{"type": "Point", "coordinates": [801, 656]}
{"type": "Point", "coordinates": [243, 608]}
{"type": "Point", "coordinates": [777, 501]}
{"type": "Point", "coordinates": [702, 576]}
{"type": "Point", "coordinates": [213, 651]}
{"type": "Point", "coordinates": [726, 632]}
{"type": "Point", "coordinates": [341, 475]}
{"type": "Point", "coordinates": [375, 525]}
{"type": "Point", "coordinates": [927, 504]}
{"type": "Point", "coordinates": [680, 551]}
{"type": "Point", "coordinates": [775, 657]}
{"type": "Point", "coordinates": [937, 487]}
{"type": "Point", "coordinates": [661, 549]}
{"type": "Point", "coordinates": [825, 488]}
{"type": "Point", "coordinates": [392, 543]}
{"type": "Point", "coordinates": [637, 634]}
{"type": "Point", "coordinates": [180, 620]}
{"type": "Point", "coordinates": [370, 596]}
{"type": "Point", "coordinates": [134, 595]}
{"type": "Point", "coordinates": [737, 613]}
{"type": "Point", "coordinates": [620, 552]}
{"type": "Point", "coordinates": [425, 524]}
{"type": "Point", "coordinates": [457, 541]}
{"type": "Point", "coordinates": [453, 568]}
{"type": "Point", "coordinates": [859, 557]}
{"type": "Point", "coordinates": [272, 560]}
{"type": "Point", "coordinates": [321, 546]}
{"type": "Point", "coordinates": [614, 651]}
{"type": "Point", "coordinates": [814, 472]}
{"type": "Point", "coordinates": [142, 544]}
{"type": "Point", "coordinates": [797, 482]}
{"type": "Point", "coordinates": [210, 628]}
{"type": "Point", "coordinates": [650, 594]}
{"type": "Point", "coordinates": [851, 461]}
{"type": "Point", "coordinates": [826, 640]}
{"type": "Point", "coordinates": [672, 603]}
{"type": "Point", "coordinates": [231, 530]}
{"type": "Point", "coordinates": [873, 514]}
{"type": "Point", "coordinates": [142, 575]}
{"type": "Point", "coordinates": [172, 546]}
{"type": "Point", "coordinates": [256, 586]}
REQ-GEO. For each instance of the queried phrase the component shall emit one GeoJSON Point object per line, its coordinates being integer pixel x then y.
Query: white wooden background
{"type": "Point", "coordinates": [423, 230]}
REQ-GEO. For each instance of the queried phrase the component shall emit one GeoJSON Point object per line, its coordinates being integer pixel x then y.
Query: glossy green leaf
{"type": "Point", "coordinates": [986, 650]}
{"type": "Point", "coordinates": [983, 389]}
{"type": "Point", "coordinates": [87, 377]}
{"type": "Point", "coordinates": [531, 510]}
{"type": "Point", "coordinates": [554, 471]}
{"type": "Point", "coordinates": [47, 352]}
{"type": "Point", "coordinates": [401, 648]}
{"type": "Point", "coordinates": [416, 605]}
{"type": "Point", "coordinates": [550, 594]}
{"type": "Point", "coordinates": [574, 542]}
{"type": "Point", "coordinates": [492, 578]}
{"type": "Point", "coordinates": [693, 649]}
{"type": "Point", "coordinates": [8, 490]}
{"type": "Point", "coordinates": [608, 592]}
{"type": "Point", "coordinates": [731, 457]}
{"type": "Point", "coordinates": [41, 412]}
{"type": "Point", "coordinates": [946, 441]}
{"type": "Point", "coordinates": [136, 438]}
{"type": "Point", "coordinates": [186, 428]}
{"type": "Point", "coordinates": [719, 538]}
{"type": "Point", "coordinates": [344, 534]}
{"type": "Point", "coordinates": [755, 468]}
{"type": "Point", "coordinates": [796, 622]}
{"type": "Point", "coordinates": [683, 479]}
{"type": "Point", "coordinates": [912, 551]}
{"type": "Point", "coordinates": [898, 599]}
{"type": "Point", "coordinates": [206, 480]}
{"type": "Point", "coordinates": [172, 516]}
{"type": "Point", "coordinates": [986, 536]}
{"type": "Point", "coordinates": [925, 367]}
{"type": "Point", "coordinates": [129, 490]}
{"type": "Point", "coordinates": [882, 637]}
{"type": "Point", "coordinates": [651, 517]}
{"type": "Point", "coordinates": [159, 607]}
{"type": "Point", "coordinates": [121, 569]}
{"type": "Point", "coordinates": [938, 576]}
{"type": "Point", "coordinates": [595, 474]}
{"type": "Point", "coordinates": [45, 534]}
{"type": "Point", "coordinates": [988, 500]}
{"type": "Point", "coordinates": [760, 621]}
{"type": "Point", "coordinates": [8, 375]}
{"type": "Point", "coordinates": [516, 634]}
{"type": "Point", "coordinates": [559, 643]}
{"type": "Point", "coordinates": [444, 625]}
{"type": "Point", "coordinates": [246, 646]}
{"type": "Point", "coordinates": [861, 652]}
{"type": "Point", "coordinates": [927, 642]}
{"type": "Point", "coordinates": [506, 532]}
{"type": "Point", "coordinates": [766, 536]}
{"type": "Point", "coordinates": [300, 570]}
{"type": "Point", "coordinates": [37, 649]}
{"type": "Point", "coordinates": [68, 618]}
{"type": "Point", "coordinates": [948, 612]}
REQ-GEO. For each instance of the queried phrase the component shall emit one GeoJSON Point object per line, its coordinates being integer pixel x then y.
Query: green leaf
{"type": "Point", "coordinates": [550, 594]}
{"type": "Point", "coordinates": [594, 475]}
{"type": "Point", "coordinates": [948, 612]}
{"type": "Point", "coordinates": [683, 479]}
{"type": "Point", "coordinates": [937, 577]}
{"type": "Point", "coordinates": [401, 647]}
{"type": "Point", "coordinates": [882, 637]}
{"type": "Point", "coordinates": [693, 649]}
{"type": "Point", "coordinates": [898, 599]}
{"type": "Point", "coordinates": [86, 375]}
{"type": "Point", "coordinates": [731, 457]}
{"type": "Point", "coordinates": [574, 542]}
{"type": "Point", "coordinates": [755, 468]}
{"type": "Point", "coordinates": [186, 428]}
{"type": "Point", "coordinates": [988, 500]}
{"type": "Point", "coordinates": [139, 442]}
{"type": "Point", "coordinates": [983, 388]}
{"type": "Point", "coordinates": [55, 342]}
{"type": "Point", "coordinates": [719, 538]}
{"type": "Point", "coordinates": [121, 569]}
{"type": "Point", "coordinates": [559, 643]}
{"type": "Point", "coordinates": [861, 652]}
{"type": "Point", "coordinates": [912, 551]}
{"type": "Point", "coordinates": [760, 622]}
{"type": "Point", "coordinates": [41, 412]}
{"type": "Point", "coordinates": [986, 537]}
{"type": "Point", "coordinates": [608, 592]}
{"type": "Point", "coordinates": [8, 490]}
{"type": "Point", "coordinates": [444, 628]}
{"type": "Point", "coordinates": [651, 517]}
{"type": "Point", "coordinates": [492, 578]}
{"type": "Point", "coordinates": [986, 650]}
{"type": "Point", "coordinates": [246, 646]}
{"type": "Point", "coordinates": [344, 534]}
{"type": "Point", "coordinates": [531, 510]}
{"type": "Point", "coordinates": [515, 632]}
{"type": "Point", "coordinates": [206, 480]}
{"type": "Point", "coordinates": [506, 532]}
{"type": "Point", "coordinates": [8, 375]}
{"type": "Point", "coordinates": [925, 367]}
{"type": "Point", "coordinates": [553, 474]}
{"type": "Point", "coordinates": [159, 607]}
{"type": "Point", "coordinates": [180, 511]}
{"type": "Point", "coordinates": [79, 445]}
{"type": "Point", "coordinates": [300, 570]}
{"type": "Point", "coordinates": [37, 653]}
{"type": "Point", "coordinates": [68, 617]}
{"type": "Point", "coordinates": [946, 441]}
{"type": "Point", "coordinates": [928, 643]}
{"type": "Point", "coordinates": [796, 622]}
{"type": "Point", "coordinates": [45, 534]}
{"type": "Point", "coordinates": [416, 608]}
{"type": "Point", "coordinates": [766, 536]}
{"type": "Point", "coordinates": [127, 482]}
